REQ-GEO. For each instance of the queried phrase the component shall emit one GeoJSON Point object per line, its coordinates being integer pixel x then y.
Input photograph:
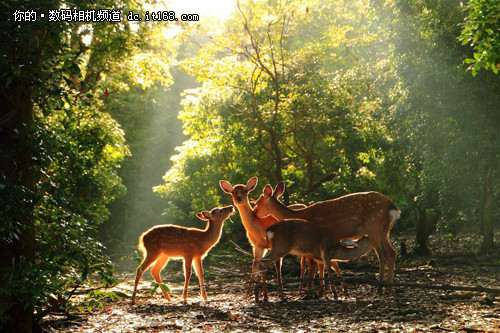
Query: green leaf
{"type": "Point", "coordinates": [16, 69]}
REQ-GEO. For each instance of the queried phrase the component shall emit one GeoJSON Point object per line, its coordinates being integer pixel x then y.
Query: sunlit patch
{"type": "Point", "coordinates": [220, 9]}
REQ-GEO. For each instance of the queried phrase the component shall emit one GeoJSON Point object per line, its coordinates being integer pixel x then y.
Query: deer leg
{"type": "Point", "coordinates": [198, 267]}
{"type": "Point", "coordinates": [328, 264]}
{"type": "Point", "coordinates": [263, 281]}
{"type": "Point", "coordinates": [156, 273]}
{"type": "Point", "coordinates": [379, 250]}
{"type": "Point", "coordinates": [335, 266]}
{"type": "Point", "coordinates": [277, 265]}
{"type": "Point", "coordinates": [302, 271]}
{"type": "Point", "coordinates": [258, 253]}
{"type": "Point", "coordinates": [262, 272]}
{"type": "Point", "coordinates": [273, 256]}
{"type": "Point", "coordinates": [321, 270]}
{"type": "Point", "coordinates": [311, 272]}
{"type": "Point", "coordinates": [391, 259]}
{"type": "Point", "coordinates": [150, 258]}
{"type": "Point", "coordinates": [188, 261]}
{"type": "Point", "coordinates": [255, 264]}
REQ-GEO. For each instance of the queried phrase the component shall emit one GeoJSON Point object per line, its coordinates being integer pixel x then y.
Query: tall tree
{"type": "Point", "coordinates": [59, 153]}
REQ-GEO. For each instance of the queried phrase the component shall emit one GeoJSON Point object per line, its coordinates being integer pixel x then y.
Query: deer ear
{"type": "Point", "coordinates": [226, 186]}
{"type": "Point", "coordinates": [204, 215]}
{"type": "Point", "coordinates": [268, 191]}
{"type": "Point", "coordinates": [279, 190]}
{"type": "Point", "coordinates": [251, 183]}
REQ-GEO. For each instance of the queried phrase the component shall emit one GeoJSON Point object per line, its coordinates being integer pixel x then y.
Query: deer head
{"type": "Point", "coordinates": [239, 192]}
{"type": "Point", "coordinates": [216, 215]}
{"type": "Point", "coordinates": [268, 199]}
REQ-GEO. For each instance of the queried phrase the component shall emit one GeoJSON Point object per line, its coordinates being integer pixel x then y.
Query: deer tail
{"type": "Point", "coordinates": [140, 245]}
{"type": "Point", "coordinates": [394, 215]}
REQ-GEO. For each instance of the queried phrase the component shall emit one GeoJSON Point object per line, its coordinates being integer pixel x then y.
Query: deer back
{"type": "Point", "coordinates": [353, 215]}
{"type": "Point", "coordinates": [178, 241]}
{"type": "Point", "coordinates": [350, 216]}
{"type": "Point", "coordinates": [298, 237]}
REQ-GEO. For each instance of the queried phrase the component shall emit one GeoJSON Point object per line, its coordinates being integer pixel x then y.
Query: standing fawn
{"type": "Point", "coordinates": [162, 242]}
{"type": "Point", "coordinates": [349, 217]}
{"type": "Point", "coordinates": [255, 226]}
{"type": "Point", "coordinates": [302, 238]}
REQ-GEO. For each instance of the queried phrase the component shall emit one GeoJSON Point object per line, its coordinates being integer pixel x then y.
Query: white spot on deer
{"type": "Point", "coordinates": [270, 235]}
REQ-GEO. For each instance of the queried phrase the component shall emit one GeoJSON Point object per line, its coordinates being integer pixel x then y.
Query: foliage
{"type": "Point", "coordinates": [481, 32]}
{"type": "Point", "coordinates": [60, 151]}
{"type": "Point", "coordinates": [77, 161]}
{"type": "Point", "coordinates": [438, 113]}
{"type": "Point", "coordinates": [338, 97]}
{"type": "Point", "coordinates": [269, 106]}
{"type": "Point", "coordinates": [331, 96]}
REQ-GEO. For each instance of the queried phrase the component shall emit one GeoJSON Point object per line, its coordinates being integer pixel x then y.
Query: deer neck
{"type": "Point", "coordinates": [248, 217]}
{"type": "Point", "coordinates": [213, 231]}
{"type": "Point", "coordinates": [281, 212]}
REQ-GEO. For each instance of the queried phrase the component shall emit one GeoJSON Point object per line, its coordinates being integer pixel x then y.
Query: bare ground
{"type": "Point", "coordinates": [228, 310]}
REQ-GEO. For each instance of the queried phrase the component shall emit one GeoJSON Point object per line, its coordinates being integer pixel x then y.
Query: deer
{"type": "Point", "coordinates": [351, 216]}
{"type": "Point", "coordinates": [162, 242]}
{"type": "Point", "coordinates": [255, 226]}
{"type": "Point", "coordinates": [302, 238]}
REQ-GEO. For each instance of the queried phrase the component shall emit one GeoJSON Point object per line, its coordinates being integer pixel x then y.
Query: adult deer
{"type": "Point", "coordinates": [162, 242]}
{"type": "Point", "coordinates": [349, 217]}
{"type": "Point", "coordinates": [302, 238]}
{"type": "Point", "coordinates": [255, 226]}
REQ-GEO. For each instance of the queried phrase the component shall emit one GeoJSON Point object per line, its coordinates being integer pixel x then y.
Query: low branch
{"type": "Point", "coordinates": [238, 248]}
{"type": "Point", "coordinates": [82, 291]}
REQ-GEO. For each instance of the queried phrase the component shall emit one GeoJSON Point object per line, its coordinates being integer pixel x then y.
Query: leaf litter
{"type": "Point", "coordinates": [229, 310]}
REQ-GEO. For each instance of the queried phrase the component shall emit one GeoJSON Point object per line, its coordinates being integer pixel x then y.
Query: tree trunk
{"type": "Point", "coordinates": [422, 231]}
{"type": "Point", "coordinates": [487, 210]}
{"type": "Point", "coordinates": [16, 168]}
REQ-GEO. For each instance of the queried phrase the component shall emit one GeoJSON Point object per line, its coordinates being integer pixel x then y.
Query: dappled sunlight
{"type": "Point", "coordinates": [381, 116]}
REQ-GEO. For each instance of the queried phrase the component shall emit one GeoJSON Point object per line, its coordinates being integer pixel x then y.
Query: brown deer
{"type": "Point", "coordinates": [349, 217]}
{"type": "Point", "coordinates": [302, 238]}
{"type": "Point", "coordinates": [255, 226]}
{"type": "Point", "coordinates": [162, 242]}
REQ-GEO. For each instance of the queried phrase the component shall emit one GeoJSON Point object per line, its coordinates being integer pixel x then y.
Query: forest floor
{"type": "Point", "coordinates": [228, 310]}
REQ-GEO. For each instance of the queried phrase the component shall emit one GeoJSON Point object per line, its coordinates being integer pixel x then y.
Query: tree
{"type": "Point", "coordinates": [60, 153]}
{"type": "Point", "coordinates": [276, 105]}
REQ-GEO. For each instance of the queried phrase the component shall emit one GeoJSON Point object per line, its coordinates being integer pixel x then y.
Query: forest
{"type": "Point", "coordinates": [117, 116]}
